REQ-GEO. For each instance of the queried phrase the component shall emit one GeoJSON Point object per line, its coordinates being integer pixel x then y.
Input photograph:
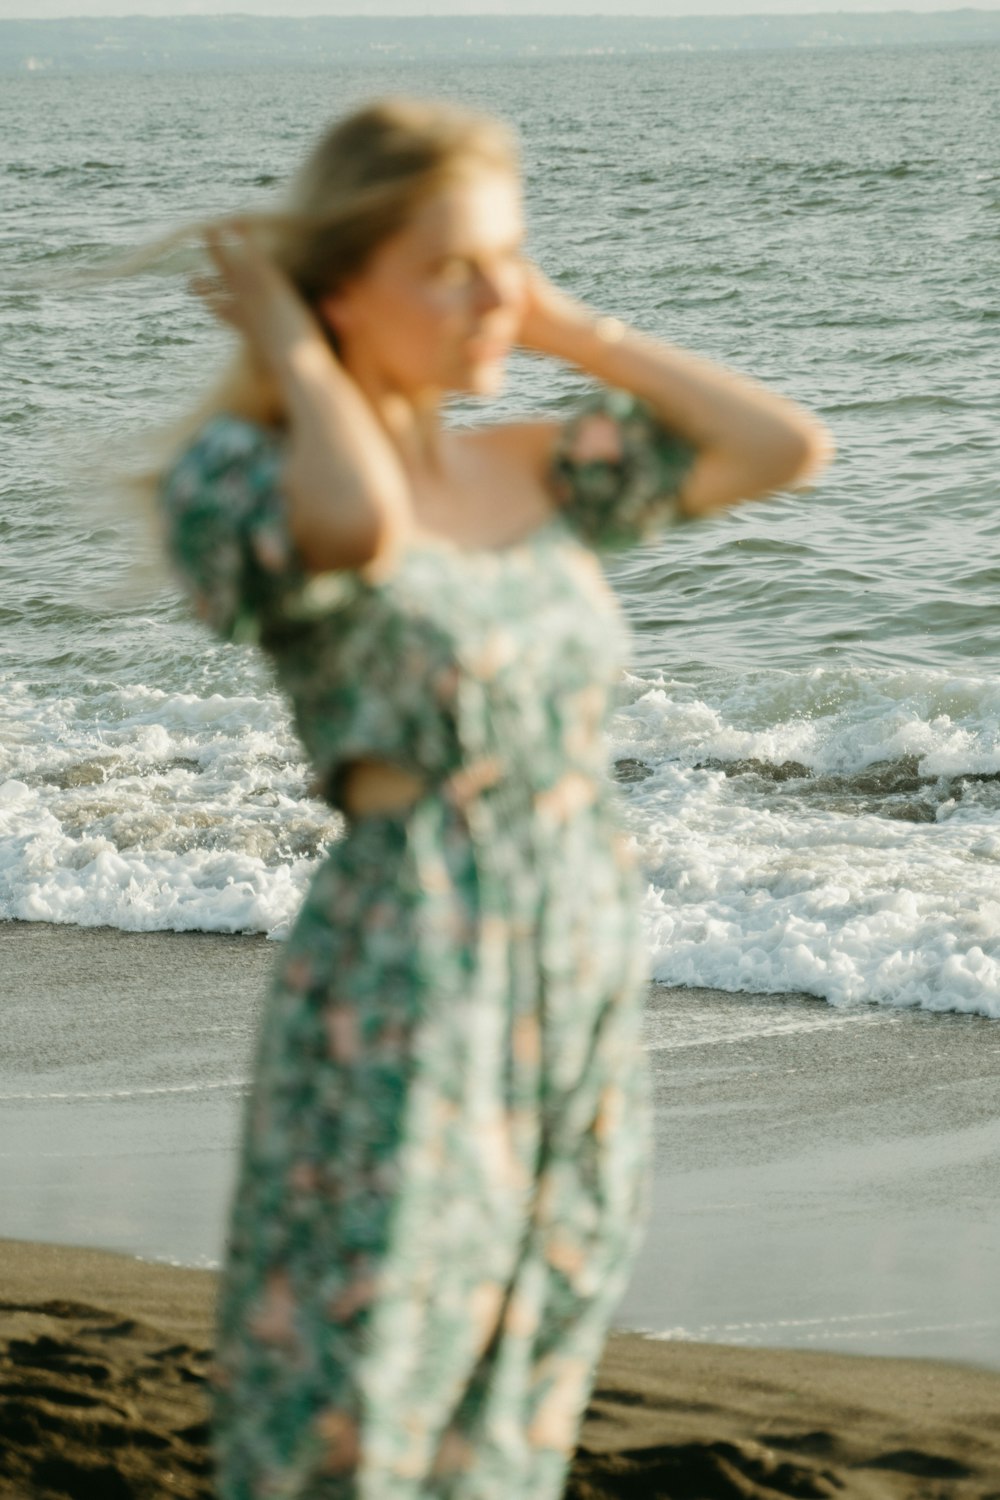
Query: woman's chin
{"type": "Point", "coordinates": [481, 377]}
{"type": "Point", "coordinates": [485, 378]}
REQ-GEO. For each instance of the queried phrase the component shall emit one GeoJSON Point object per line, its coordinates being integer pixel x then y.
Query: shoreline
{"type": "Point", "coordinates": [823, 1179]}
{"type": "Point", "coordinates": [93, 1342]}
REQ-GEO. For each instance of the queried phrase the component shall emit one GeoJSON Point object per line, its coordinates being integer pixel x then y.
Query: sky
{"type": "Point", "coordinates": [38, 10]}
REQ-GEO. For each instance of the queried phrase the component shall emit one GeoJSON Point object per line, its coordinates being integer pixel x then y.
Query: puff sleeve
{"type": "Point", "coordinates": [226, 530]}
{"type": "Point", "coordinates": [617, 471]}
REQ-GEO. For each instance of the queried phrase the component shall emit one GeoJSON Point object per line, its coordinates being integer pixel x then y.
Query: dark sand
{"type": "Point", "coordinates": [102, 1397]}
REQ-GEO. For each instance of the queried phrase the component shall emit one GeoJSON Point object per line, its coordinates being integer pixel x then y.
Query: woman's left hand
{"type": "Point", "coordinates": [550, 317]}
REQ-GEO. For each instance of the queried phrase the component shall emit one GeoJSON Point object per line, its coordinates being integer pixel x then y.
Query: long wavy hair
{"type": "Point", "coordinates": [361, 184]}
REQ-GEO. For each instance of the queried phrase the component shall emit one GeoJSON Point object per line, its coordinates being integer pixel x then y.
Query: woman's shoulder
{"type": "Point", "coordinates": [226, 528]}
{"type": "Point", "coordinates": [612, 467]}
{"type": "Point", "coordinates": [540, 442]}
{"type": "Point", "coordinates": [528, 442]}
{"type": "Point", "coordinates": [227, 456]}
{"type": "Point", "coordinates": [225, 436]}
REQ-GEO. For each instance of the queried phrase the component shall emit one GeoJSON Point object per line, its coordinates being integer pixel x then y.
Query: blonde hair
{"type": "Point", "coordinates": [361, 184]}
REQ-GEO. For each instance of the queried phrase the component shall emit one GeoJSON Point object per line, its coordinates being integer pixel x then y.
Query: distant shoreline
{"type": "Point", "coordinates": [172, 44]}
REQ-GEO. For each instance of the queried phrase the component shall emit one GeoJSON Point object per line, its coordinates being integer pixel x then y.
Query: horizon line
{"type": "Point", "coordinates": [589, 15]}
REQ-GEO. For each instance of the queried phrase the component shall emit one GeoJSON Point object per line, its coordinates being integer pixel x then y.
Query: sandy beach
{"type": "Point", "coordinates": [102, 1375]}
{"type": "Point", "coordinates": [824, 1190]}
{"type": "Point", "coordinates": [823, 1178]}
{"type": "Point", "coordinates": [806, 736]}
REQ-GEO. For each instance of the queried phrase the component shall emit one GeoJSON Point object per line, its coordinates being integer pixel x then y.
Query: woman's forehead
{"type": "Point", "coordinates": [484, 209]}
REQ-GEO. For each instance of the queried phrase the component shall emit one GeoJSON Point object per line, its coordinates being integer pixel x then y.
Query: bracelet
{"type": "Point", "coordinates": [609, 330]}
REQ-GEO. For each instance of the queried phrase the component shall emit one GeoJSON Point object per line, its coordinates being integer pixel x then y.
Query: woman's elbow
{"type": "Point", "coordinates": [789, 457]}
{"type": "Point", "coordinates": [792, 458]}
{"type": "Point", "coordinates": [799, 455]}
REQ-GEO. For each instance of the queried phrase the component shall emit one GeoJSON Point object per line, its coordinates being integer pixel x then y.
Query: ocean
{"type": "Point", "coordinates": [806, 737]}
{"type": "Point", "coordinates": [808, 733]}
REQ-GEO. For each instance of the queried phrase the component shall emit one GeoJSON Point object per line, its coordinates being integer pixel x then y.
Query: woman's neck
{"type": "Point", "coordinates": [411, 420]}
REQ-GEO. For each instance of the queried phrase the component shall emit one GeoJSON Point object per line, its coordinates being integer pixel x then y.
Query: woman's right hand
{"type": "Point", "coordinates": [347, 495]}
{"type": "Point", "coordinates": [250, 293]}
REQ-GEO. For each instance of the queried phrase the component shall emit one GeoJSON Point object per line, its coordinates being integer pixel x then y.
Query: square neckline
{"type": "Point", "coordinates": [429, 542]}
{"type": "Point", "coordinates": [425, 544]}
{"type": "Point", "coordinates": [428, 545]}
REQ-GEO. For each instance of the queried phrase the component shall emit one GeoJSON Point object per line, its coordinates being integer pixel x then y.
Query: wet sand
{"type": "Point", "coordinates": [825, 1181]}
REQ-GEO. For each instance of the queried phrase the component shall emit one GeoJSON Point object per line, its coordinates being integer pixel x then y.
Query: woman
{"type": "Point", "coordinates": [443, 1156]}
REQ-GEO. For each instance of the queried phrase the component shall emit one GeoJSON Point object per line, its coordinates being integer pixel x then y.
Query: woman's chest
{"type": "Point", "coordinates": [536, 616]}
{"type": "Point", "coordinates": [514, 625]}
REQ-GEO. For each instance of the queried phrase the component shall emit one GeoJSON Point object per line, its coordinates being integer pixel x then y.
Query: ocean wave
{"type": "Point", "coordinates": [813, 783]}
{"type": "Point", "coordinates": [144, 809]}
{"type": "Point", "coordinates": [832, 832]}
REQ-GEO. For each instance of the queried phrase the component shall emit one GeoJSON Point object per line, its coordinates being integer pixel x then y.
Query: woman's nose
{"type": "Point", "coordinates": [490, 291]}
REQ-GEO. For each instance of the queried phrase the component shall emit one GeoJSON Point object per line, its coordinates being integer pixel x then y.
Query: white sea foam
{"type": "Point", "coordinates": [815, 883]}
{"type": "Point", "coordinates": [64, 1096]}
{"type": "Point", "coordinates": [856, 1328]}
{"type": "Point", "coordinates": [153, 810]}
{"type": "Point", "coordinates": [802, 830]}
{"type": "Point", "coordinates": [833, 721]}
{"type": "Point", "coordinates": [671, 1029]}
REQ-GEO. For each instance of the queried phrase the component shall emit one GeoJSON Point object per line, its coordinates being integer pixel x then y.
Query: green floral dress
{"type": "Point", "coordinates": [443, 1154]}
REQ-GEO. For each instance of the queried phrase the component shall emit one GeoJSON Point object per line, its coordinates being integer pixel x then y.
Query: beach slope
{"type": "Point", "coordinates": [103, 1363]}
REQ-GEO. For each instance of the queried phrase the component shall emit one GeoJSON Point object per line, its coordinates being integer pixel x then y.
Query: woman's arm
{"type": "Point", "coordinates": [748, 440]}
{"type": "Point", "coordinates": [347, 495]}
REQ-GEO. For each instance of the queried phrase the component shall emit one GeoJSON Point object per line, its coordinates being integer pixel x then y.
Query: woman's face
{"type": "Point", "coordinates": [438, 306]}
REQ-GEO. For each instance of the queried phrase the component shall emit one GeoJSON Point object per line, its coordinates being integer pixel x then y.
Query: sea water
{"type": "Point", "coordinates": [808, 732]}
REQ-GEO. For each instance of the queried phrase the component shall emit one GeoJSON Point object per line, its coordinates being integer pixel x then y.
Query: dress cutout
{"type": "Point", "coordinates": [443, 1155]}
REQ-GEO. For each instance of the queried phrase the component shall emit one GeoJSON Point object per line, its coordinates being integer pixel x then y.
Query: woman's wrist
{"type": "Point", "coordinates": [556, 324]}
{"type": "Point", "coordinates": [574, 332]}
{"type": "Point", "coordinates": [591, 341]}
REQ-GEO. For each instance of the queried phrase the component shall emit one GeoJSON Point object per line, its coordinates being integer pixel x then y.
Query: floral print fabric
{"type": "Point", "coordinates": [443, 1154]}
{"type": "Point", "coordinates": [617, 473]}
